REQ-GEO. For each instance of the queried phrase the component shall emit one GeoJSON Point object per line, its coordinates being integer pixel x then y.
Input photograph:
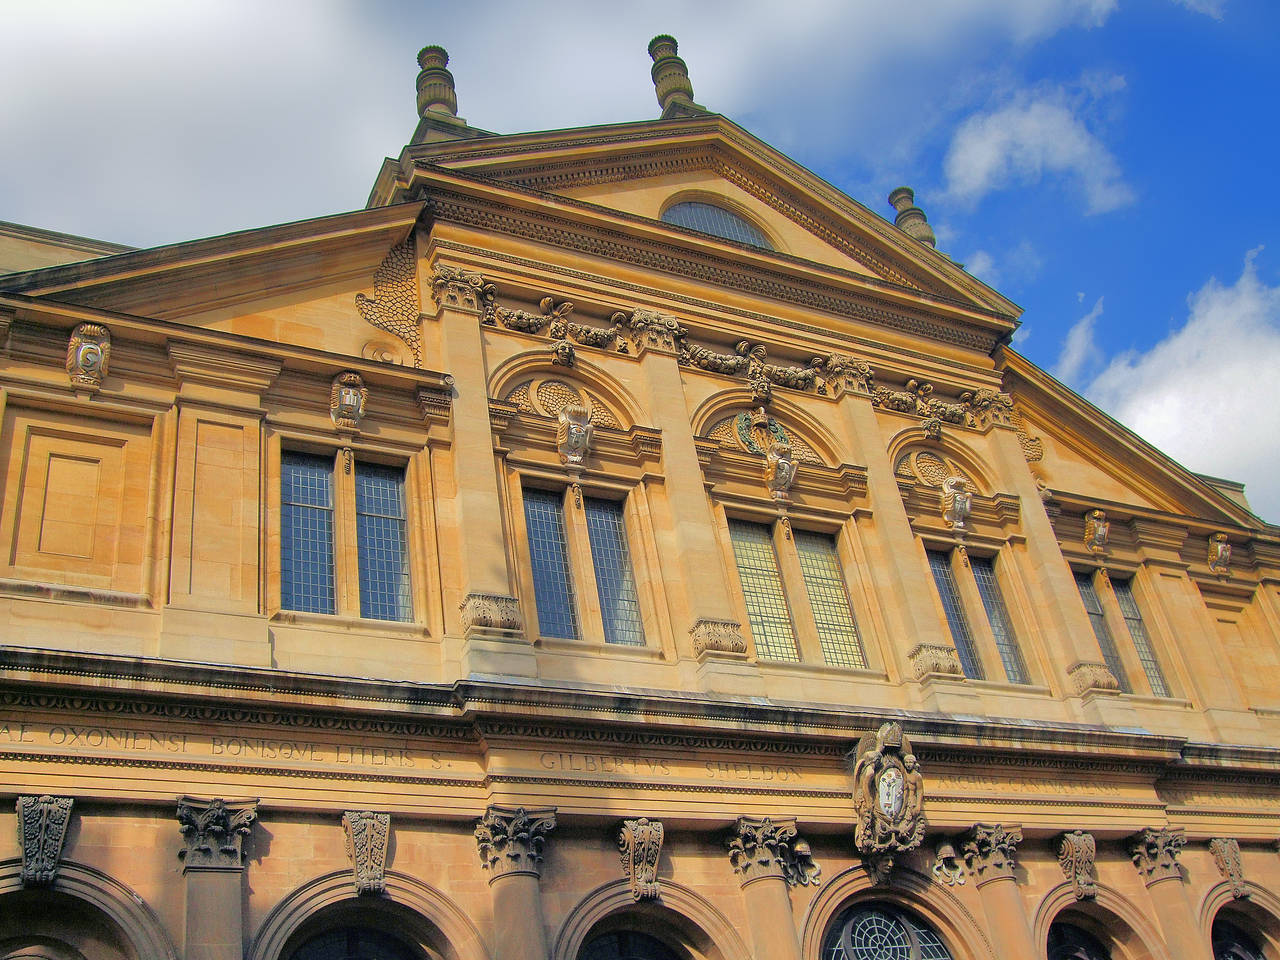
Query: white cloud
{"type": "Point", "coordinates": [1205, 394]}
{"type": "Point", "coordinates": [982, 265]}
{"type": "Point", "coordinates": [1029, 138]}
{"type": "Point", "coordinates": [1211, 8]}
{"type": "Point", "coordinates": [1079, 351]}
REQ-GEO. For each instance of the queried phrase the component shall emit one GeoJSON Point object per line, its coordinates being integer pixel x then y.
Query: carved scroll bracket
{"type": "Point", "coordinates": [42, 829]}
{"type": "Point", "coordinates": [368, 836]}
{"type": "Point", "coordinates": [1226, 857]}
{"type": "Point", "coordinates": [1076, 853]}
{"type": "Point", "coordinates": [640, 844]}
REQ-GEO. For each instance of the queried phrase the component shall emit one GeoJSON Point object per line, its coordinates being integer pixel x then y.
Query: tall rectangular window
{"type": "Point", "coordinates": [306, 533]}
{"type": "Point", "coordinates": [615, 582]}
{"type": "Point", "coordinates": [380, 543]}
{"type": "Point", "coordinates": [984, 572]}
{"type": "Point", "coordinates": [1141, 642]}
{"type": "Point", "coordinates": [940, 564]}
{"type": "Point", "coordinates": [1106, 644]}
{"type": "Point", "coordinates": [549, 558]}
{"type": "Point", "coordinates": [767, 610]}
{"type": "Point", "coordinates": [824, 582]}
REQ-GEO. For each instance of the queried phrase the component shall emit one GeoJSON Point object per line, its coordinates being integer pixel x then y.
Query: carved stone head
{"type": "Point", "coordinates": [347, 399]}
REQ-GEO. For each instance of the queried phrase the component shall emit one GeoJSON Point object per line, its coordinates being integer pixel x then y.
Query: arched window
{"type": "Point", "coordinates": [717, 221]}
{"type": "Point", "coordinates": [626, 945]}
{"type": "Point", "coordinates": [1232, 943]}
{"type": "Point", "coordinates": [1069, 942]}
{"type": "Point", "coordinates": [881, 932]}
{"type": "Point", "coordinates": [354, 943]}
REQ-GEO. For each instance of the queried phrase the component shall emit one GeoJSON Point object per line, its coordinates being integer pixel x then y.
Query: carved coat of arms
{"type": "Point", "coordinates": [888, 794]}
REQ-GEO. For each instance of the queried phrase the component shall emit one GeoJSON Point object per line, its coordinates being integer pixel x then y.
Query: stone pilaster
{"type": "Point", "coordinates": [1155, 855]}
{"type": "Point", "coordinates": [213, 833]}
{"type": "Point", "coordinates": [990, 853]}
{"type": "Point", "coordinates": [767, 855]}
{"type": "Point", "coordinates": [42, 829]}
{"type": "Point", "coordinates": [510, 842]}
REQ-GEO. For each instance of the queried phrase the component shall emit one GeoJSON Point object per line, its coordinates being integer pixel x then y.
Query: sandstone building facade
{"type": "Point", "coordinates": [610, 543]}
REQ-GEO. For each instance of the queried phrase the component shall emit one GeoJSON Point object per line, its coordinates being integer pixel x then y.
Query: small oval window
{"type": "Point", "coordinates": [717, 221]}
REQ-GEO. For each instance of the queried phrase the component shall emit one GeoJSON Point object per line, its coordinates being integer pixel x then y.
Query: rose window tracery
{"type": "Point", "coordinates": [881, 932]}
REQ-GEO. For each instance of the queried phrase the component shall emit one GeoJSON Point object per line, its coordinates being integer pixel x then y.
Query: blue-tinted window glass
{"type": "Point", "coordinates": [767, 610]}
{"type": "Point", "coordinates": [1100, 630]}
{"type": "Point", "coordinates": [549, 558]}
{"type": "Point", "coordinates": [619, 604]}
{"type": "Point", "coordinates": [708, 218]}
{"type": "Point", "coordinates": [306, 533]}
{"type": "Point", "coordinates": [984, 572]}
{"type": "Point", "coordinates": [380, 543]}
{"type": "Point", "coordinates": [940, 564]}
{"type": "Point", "coordinates": [1141, 642]}
{"type": "Point", "coordinates": [824, 581]}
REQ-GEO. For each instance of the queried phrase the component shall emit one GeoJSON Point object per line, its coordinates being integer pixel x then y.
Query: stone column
{"type": "Point", "coordinates": [213, 831]}
{"type": "Point", "coordinates": [510, 840]}
{"type": "Point", "coordinates": [762, 853]}
{"type": "Point", "coordinates": [1155, 854]}
{"type": "Point", "coordinates": [989, 852]}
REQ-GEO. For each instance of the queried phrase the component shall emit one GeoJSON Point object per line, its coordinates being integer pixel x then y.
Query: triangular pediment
{"type": "Point", "coordinates": [639, 169]}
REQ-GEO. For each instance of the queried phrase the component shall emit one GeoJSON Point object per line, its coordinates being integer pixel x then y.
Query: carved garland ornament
{"type": "Point", "coordinates": [368, 835]}
{"type": "Point", "coordinates": [1226, 857]}
{"type": "Point", "coordinates": [88, 355]}
{"type": "Point", "coordinates": [1076, 853]}
{"type": "Point", "coordinates": [42, 829]}
{"type": "Point", "coordinates": [640, 844]}
{"type": "Point", "coordinates": [888, 798]}
{"type": "Point", "coordinates": [394, 305]}
{"type": "Point", "coordinates": [1155, 853]}
{"type": "Point", "coordinates": [769, 847]}
{"type": "Point", "coordinates": [510, 839]}
{"type": "Point", "coordinates": [214, 831]}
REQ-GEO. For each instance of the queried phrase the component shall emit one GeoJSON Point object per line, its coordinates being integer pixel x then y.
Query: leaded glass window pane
{"type": "Point", "coordinates": [306, 533]}
{"type": "Point", "coordinates": [1106, 644]}
{"type": "Point", "coordinates": [1141, 642]}
{"type": "Point", "coordinates": [549, 559]}
{"type": "Point", "coordinates": [380, 543]}
{"type": "Point", "coordinates": [619, 604]}
{"type": "Point", "coordinates": [984, 572]}
{"type": "Point", "coordinates": [767, 610]}
{"type": "Point", "coordinates": [824, 582]}
{"type": "Point", "coordinates": [940, 564]}
{"type": "Point", "coordinates": [875, 932]}
{"type": "Point", "coordinates": [717, 221]}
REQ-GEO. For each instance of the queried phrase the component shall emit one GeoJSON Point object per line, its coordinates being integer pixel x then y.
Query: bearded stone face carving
{"type": "Point", "coordinates": [888, 798]}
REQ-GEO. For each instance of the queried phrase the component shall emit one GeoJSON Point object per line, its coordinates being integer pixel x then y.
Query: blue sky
{"type": "Point", "coordinates": [1108, 165]}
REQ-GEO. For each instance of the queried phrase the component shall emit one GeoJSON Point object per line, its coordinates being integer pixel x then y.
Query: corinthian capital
{"type": "Point", "coordinates": [770, 847]}
{"type": "Point", "coordinates": [510, 839]}
{"type": "Point", "coordinates": [990, 850]}
{"type": "Point", "coordinates": [1155, 853]}
{"type": "Point", "coordinates": [214, 831]}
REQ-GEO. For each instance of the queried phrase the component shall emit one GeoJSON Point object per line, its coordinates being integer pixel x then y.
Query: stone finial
{"type": "Point", "coordinates": [42, 829]}
{"type": "Point", "coordinates": [910, 219]}
{"type": "Point", "coordinates": [510, 839]}
{"type": "Point", "coordinates": [671, 79]}
{"type": "Point", "coordinates": [368, 835]}
{"type": "Point", "coordinates": [214, 831]}
{"type": "Point", "coordinates": [435, 83]}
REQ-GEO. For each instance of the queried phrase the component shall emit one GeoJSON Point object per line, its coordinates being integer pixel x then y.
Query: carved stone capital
{"type": "Point", "coordinates": [1092, 677]}
{"type": "Point", "coordinates": [988, 407]}
{"type": "Point", "coordinates": [770, 847]}
{"type": "Point", "coordinates": [214, 831]}
{"type": "Point", "coordinates": [718, 636]}
{"type": "Point", "coordinates": [640, 843]}
{"type": "Point", "coordinates": [42, 828]}
{"type": "Point", "coordinates": [990, 850]}
{"type": "Point", "coordinates": [1076, 852]}
{"type": "Point", "coordinates": [436, 403]}
{"type": "Point", "coordinates": [1155, 853]}
{"type": "Point", "coordinates": [88, 354]}
{"type": "Point", "coordinates": [489, 611]}
{"type": "Point", "coordinates": [462, 290]}
{"type": "Point", "coordinates": [650, 330]}
{"type": "Point", "coordinates": [1226, 857]}
{"type": "Point", "coordinates": [368, 835]}
{"type": "Point", "coordinates": [932, 658]}
{"type": "Point", "coordinates": [510, 839]}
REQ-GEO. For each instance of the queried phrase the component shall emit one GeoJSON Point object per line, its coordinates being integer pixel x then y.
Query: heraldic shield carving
{"type": "Point", "coordinates": [888, 798]}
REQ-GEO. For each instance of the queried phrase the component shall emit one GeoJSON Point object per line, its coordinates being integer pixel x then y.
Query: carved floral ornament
{"type": "Point", "coordinates": [755, 431]}
{"type": "Point", "coordinates": [1226, 857]}
{"type": "Point", "coordinates": [1155, 853]}
{"type": "Point", "coordinates": [640, 846]}
{"type": "Point", "coordinates": [368, 835]}
{"type": "Point", "coordinates": [770, 847]}
{"type": "Point", "coordinates": [214, 831]}
{"type": "Point", "coordinates": [990, 849]}
{"type": "Point", "coordinates": [42, 830]}
{"type": "Point", "coordinates": [510, 839]}
{"type": "Point", "coordinates": [717, 636]}
{"type": "Point", "coordinates": [88, 355]}
{"type": "Point", "coordinates": [1076, 853]}
{"type": "Point", "coordinates": [888, 798]}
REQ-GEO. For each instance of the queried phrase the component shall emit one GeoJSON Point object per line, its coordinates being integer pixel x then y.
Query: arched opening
{"type": "Point", "coordinates": [1067, 941]}
{"type": "Point", "coordinates": [881, 931]}
{"type": "Point", "coordinates": [48, 925]}
{"type": "Point", "coordinates": [715, 219]}
{"type": "Point", "coordinates": [354, 943]}
{"type": "Point", "coordinates": [626, 945]}
{"type": "Point", "coordinates": [1238, 936]}
{"type": "Point", "coordinates": [365, 928]}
